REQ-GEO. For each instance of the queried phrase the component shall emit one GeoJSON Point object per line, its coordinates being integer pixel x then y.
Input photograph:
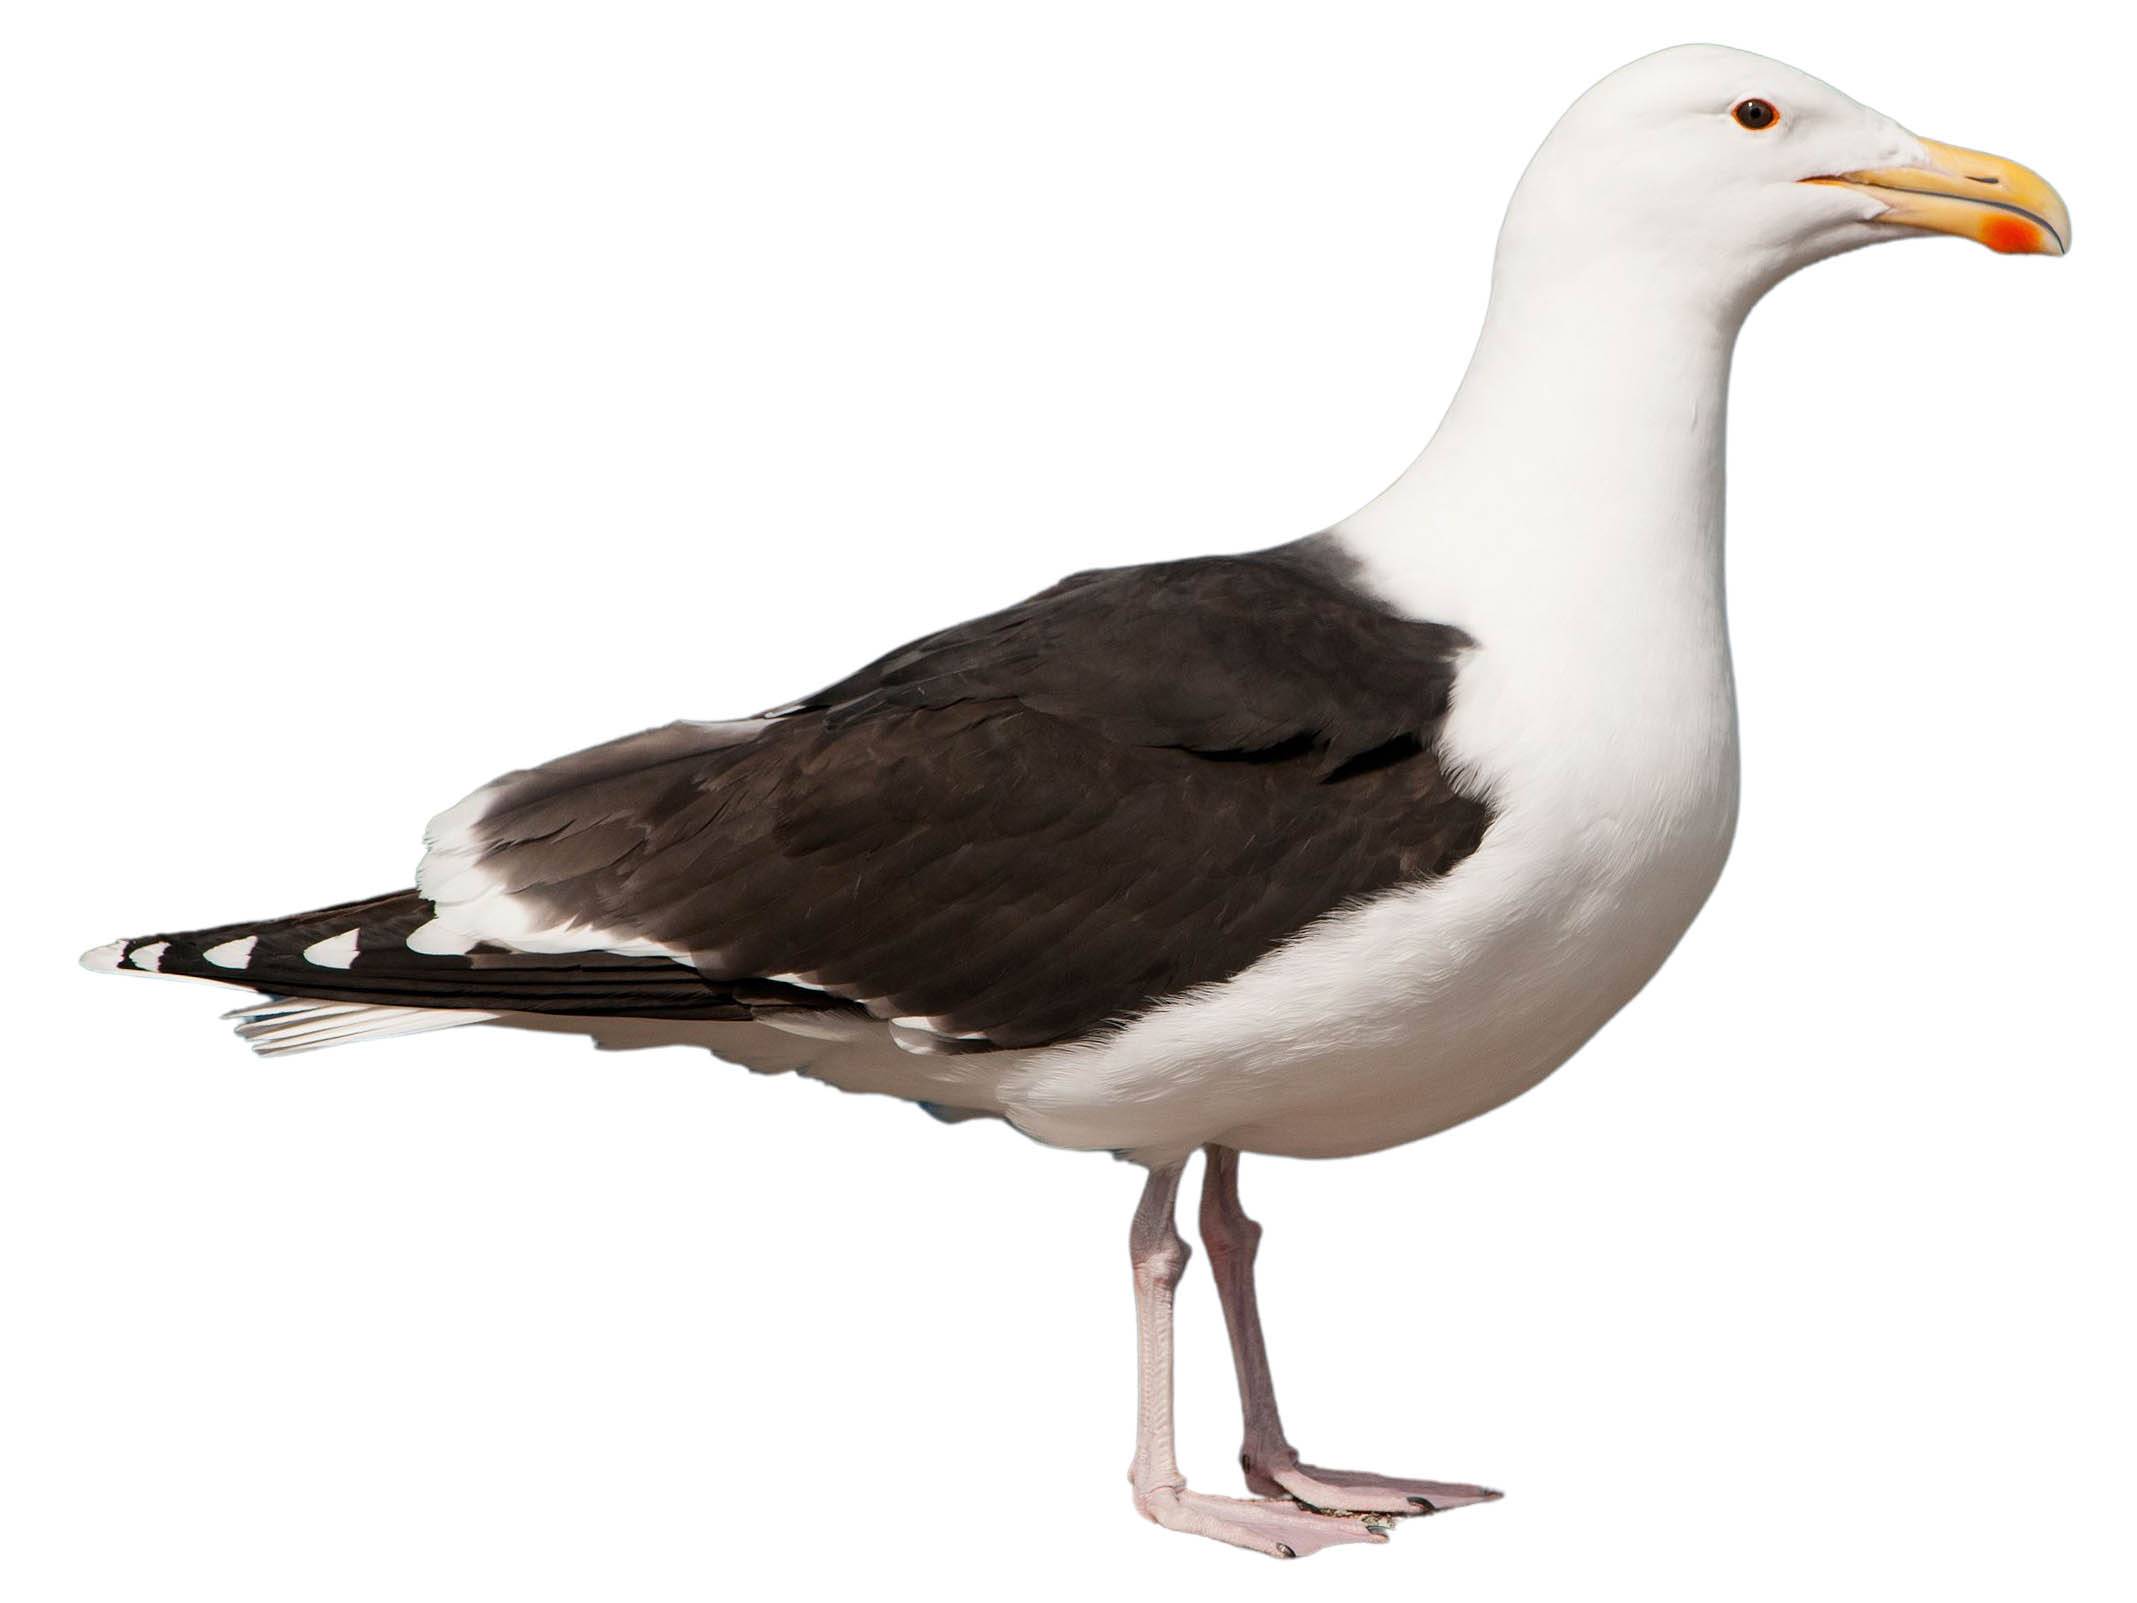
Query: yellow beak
{"type": "Point", "coordinates": [2005, 206]}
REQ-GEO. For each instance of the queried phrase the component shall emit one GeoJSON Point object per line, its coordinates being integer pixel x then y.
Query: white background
{"type": "Point", "coordinates": [397, 393]}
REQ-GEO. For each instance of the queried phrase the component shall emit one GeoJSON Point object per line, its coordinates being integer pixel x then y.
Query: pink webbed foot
{"type": "Point", "coordinates": [1359, 1492]}
{"type": "Point", "coordinates": [1279, 1528]}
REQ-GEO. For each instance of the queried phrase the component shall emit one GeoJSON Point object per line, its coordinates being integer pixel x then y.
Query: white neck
{"type": "Point", "coordinates": [1586, 439]}
{"type": "Point", "coordinates": [1568, 515]}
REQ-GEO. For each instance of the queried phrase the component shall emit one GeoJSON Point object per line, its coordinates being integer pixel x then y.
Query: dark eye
{"type": "Point", "coordinates": [1756, 114]}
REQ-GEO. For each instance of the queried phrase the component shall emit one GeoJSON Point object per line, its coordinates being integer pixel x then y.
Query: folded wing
{"type": "Point", "coordinates": [1011, 832]}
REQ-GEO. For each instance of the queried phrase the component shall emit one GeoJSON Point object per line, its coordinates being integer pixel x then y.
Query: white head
{"type": "Point", "coordinates": [1714, 168]}
{"type": "Point", "coordinates": [1583, 452]}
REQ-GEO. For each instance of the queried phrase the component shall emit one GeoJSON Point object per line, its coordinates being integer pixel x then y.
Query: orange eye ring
{"type": "Point", "coordinates": [1755, 114]}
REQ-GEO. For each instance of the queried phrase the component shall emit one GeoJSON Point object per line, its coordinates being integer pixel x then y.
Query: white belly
{"type": "Point", "coordinates": [1395, 1021]}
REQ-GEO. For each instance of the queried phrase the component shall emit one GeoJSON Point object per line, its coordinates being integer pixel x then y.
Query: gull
{"type": "Point", "coordinates": [1311, 850]}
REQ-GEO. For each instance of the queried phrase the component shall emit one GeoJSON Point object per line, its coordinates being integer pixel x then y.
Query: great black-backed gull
{"type": "Point", "coordinates": [1311, 851]}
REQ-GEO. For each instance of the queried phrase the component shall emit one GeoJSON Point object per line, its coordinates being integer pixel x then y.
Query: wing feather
{"type": "Point", "coordinates": [1019, 829]}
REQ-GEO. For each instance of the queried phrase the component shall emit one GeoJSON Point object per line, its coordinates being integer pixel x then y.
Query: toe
{"type": "Point", "coordinates": [1357, 1491]}
{"type": "Point", "coordinates": [1281, 1529]}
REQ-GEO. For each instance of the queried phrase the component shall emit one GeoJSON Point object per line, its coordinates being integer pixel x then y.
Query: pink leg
{"type": "Point", "coordinates": [1271, 1462]}
{"type": "Point", "coordinates": [1279, 1527]}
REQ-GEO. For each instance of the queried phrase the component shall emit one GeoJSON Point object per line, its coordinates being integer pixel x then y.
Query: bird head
{"type": "Point", "coordinates": [1739, 170]}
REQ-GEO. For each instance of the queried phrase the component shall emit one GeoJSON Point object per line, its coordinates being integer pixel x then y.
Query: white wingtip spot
{"type": "Point", "coordinates": [105, 959]}
{"type": "Point", "coordinates": [336, 951]}
{"type": "Point", "coordinates": [232, 954]}
{"type": "Point", "coordinates": [148, 959]}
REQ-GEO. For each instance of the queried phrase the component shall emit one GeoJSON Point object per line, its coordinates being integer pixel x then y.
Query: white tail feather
{"type": "Point", "coordinates": [283, 1026]}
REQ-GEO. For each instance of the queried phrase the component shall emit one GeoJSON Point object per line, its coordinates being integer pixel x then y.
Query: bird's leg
{"type": "Point", "coordinates": [1271, 1462]}
{"type": "Point", "coordinates": [1160, 1258]}
{"type": "Point", "coordinates": [1280, 1528]}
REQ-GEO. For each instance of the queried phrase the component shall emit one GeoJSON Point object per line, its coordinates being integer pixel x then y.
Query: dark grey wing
{"type": "Point", "coordinates": [1271, 653]}
{"type": "Point", "coordinates": [1016, 830]}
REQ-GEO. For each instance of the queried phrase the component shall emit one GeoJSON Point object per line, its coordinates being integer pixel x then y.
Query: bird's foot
{"type": "Point", "coordinates": [1279, 1527]}
{"type": "Point", "coordinates": [1358, 1492]}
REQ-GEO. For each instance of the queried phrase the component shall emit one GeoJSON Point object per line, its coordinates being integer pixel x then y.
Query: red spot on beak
{"type": "Point", "coordinates": [2011, 235]}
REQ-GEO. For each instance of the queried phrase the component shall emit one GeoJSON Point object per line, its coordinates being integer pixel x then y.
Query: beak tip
{"type": "Point", "coordinates": [2016, 236]}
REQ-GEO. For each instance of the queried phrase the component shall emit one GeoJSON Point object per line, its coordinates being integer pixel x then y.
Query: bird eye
{"type": "Point", "coordinates": [1756, 114]}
